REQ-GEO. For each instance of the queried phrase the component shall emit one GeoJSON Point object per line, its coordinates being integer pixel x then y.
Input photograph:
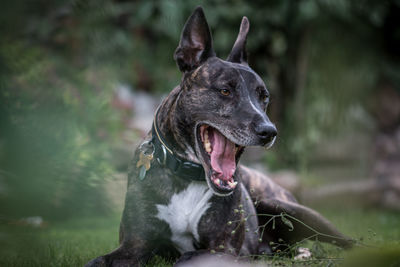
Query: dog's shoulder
{"type": "Point", "coordinates": [259, 184]}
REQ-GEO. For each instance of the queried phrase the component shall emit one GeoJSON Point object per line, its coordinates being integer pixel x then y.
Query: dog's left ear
{"type": "Point", "coordinates": [195, 45]}
{"type": "Point", "coordinates": [238, 53]}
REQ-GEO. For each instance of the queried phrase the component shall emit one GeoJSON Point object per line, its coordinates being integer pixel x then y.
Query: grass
{"type": "Point", "coordinates": [75, 242]}
{"type": "Point", "coordinates": [69, 243]}
{"type": "Point", "coordinates": [377, 233]}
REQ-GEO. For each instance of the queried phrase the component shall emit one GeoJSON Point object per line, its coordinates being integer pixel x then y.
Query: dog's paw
{"type": "Point", "coordinates": [97, 262]}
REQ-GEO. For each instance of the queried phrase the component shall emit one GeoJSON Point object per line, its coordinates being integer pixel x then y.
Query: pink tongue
{"type": "Point", "coordinates": [223, 156]}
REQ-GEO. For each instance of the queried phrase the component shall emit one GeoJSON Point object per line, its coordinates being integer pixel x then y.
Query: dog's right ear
{"type": "Point", "coordinates": [195, 45]}
{"type": "Point", "coordinates": [238, 53]}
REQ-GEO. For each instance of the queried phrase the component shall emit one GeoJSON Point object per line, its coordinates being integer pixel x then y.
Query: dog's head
{"type": "Point", "coordinates": [222, 101]}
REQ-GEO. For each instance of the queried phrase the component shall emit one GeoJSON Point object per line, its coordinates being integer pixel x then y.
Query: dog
{"type": "Point", "coordinates": [187, 195]}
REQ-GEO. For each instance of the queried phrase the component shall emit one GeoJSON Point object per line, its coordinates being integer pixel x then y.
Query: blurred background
{"type": "Point", "coordinates": [79, 81]}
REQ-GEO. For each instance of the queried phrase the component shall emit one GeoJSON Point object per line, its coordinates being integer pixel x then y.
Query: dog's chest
{"type": "Point", "coordinates": [183, 214]}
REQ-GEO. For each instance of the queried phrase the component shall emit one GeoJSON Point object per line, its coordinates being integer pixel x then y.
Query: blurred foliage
{"type": "Point", "coordinates": [56, 119]}
{"type": "Point", "coordinates": [386, 256]}
{"type": "Point", "coordinates": [61, 60]}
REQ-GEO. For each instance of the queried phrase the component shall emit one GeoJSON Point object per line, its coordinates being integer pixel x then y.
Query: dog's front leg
{"type": "Point", "coordinates": [136, 230]}
{"type": "Point", "coordinates": [128, 254]}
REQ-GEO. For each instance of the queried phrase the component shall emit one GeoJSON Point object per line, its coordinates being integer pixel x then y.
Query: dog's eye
{"type": "Point", "coordinates": [225, 92]}
{"type": "Point", "coordinates": [264, 98]}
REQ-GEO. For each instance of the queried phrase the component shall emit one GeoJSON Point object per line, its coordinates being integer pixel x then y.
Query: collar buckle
{"type": "Point", "coordinates": [164, 156]}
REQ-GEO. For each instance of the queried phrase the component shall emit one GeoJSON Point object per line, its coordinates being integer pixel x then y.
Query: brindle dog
{"type": "Point", "coordinates": [186, 194]}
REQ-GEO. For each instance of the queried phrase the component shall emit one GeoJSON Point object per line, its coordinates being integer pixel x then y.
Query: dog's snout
{"type": "Point", "coordinates": [266, 132]}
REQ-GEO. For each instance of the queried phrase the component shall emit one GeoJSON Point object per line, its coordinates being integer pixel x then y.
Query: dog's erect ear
{"type": "Point", "coordinates": [195, 45]}
{"type": "Point", "coordinates": [238, 53]}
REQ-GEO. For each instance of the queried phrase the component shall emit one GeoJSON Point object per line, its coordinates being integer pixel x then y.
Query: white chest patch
{"type": "Point", "coordinates": [183, 214]}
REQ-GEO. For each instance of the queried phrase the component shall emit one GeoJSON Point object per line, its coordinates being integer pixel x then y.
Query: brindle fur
{"type": "Point", "coordinates": [197, 99]}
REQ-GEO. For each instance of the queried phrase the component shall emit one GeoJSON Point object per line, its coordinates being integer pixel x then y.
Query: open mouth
{"type": "Point", "coordinates": [220, 157]}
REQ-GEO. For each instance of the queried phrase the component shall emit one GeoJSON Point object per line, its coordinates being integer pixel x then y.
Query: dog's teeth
{"type": "Point", "coordinates": [207, 145]}
{"type": "Point", "coordinates": [232, 184]}
{"type": "Point", "coordinates": [216, 181]}
{"type": "Point", "coordinates": [208, 148]}
{"type": "Point", "coordinates": [206, 136]}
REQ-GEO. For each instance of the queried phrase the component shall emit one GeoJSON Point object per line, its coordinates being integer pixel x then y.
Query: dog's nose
{"type": "Point", "coordinates": [266, 132]}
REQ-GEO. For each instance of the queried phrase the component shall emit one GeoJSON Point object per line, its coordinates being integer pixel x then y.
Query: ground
{"type": "Point", "coordinates": [75, 242]}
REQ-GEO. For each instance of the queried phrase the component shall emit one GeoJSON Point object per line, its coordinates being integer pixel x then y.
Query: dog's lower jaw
{"type": "Point", "coordinates": [208, 171]}
{"type": "Point", "coordinates": [208, 180]}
